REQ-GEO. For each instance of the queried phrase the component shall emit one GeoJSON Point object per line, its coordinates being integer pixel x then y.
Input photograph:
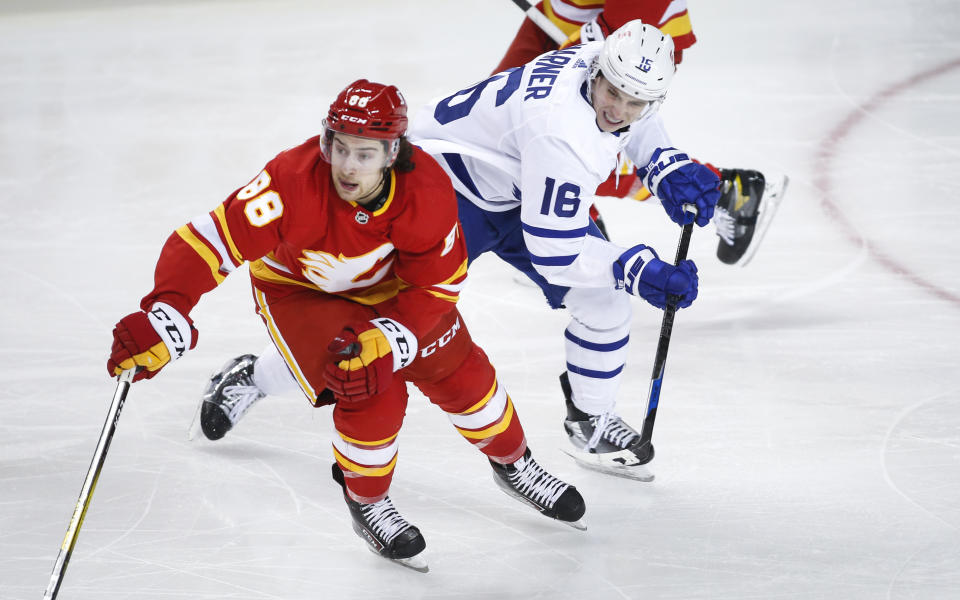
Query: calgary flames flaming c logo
{"type": "Point", "coordinates": [341, 273]}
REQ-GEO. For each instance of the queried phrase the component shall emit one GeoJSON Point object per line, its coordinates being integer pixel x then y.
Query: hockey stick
{"type": "Point", "coordinates": [542, 22]}
{"type": "Point", "coordinates": [645, 451]}
{"type": "Point", "coordinates": [86, 492]}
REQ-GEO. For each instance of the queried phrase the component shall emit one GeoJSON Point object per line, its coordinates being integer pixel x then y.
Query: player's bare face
{"type": "Point", "coordinates": [357, 166]}
{"type": "Point", "coordinates": [615, 109]}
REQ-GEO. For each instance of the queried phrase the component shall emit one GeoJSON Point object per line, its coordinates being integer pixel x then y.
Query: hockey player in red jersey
{"type": "Point", "coordinates": [749, 201]}
{"type": "Point", "coordinates": [356, 263]}
{"type": "Point", "coordinates": [570, 16]}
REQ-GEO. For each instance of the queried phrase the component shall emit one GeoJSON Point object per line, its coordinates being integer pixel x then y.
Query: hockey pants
{"type": "Point", "coordinates": [451, 370]}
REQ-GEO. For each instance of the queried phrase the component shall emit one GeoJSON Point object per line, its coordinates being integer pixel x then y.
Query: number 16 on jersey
{"type": "Point", "coordinates": [563, 199]}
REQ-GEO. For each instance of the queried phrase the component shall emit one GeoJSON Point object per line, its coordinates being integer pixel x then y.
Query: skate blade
{"type": "Point", "coordinates": [772, 196]}
{"type": "Point", "coordinates": [578, 525]}
{"type": "Point", "coordinates": [418, 563]}
{"type": "Point", "coordinates": [592, 462]}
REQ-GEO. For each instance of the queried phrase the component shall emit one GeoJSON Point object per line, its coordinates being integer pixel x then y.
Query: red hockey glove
{"type": "Point", "coordinates": [148, 341]}
{"type": "Point", "coordinates": [372, 351]}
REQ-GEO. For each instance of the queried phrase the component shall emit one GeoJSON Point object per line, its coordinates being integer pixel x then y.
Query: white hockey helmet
{"type": "Point", "coordinates": [638, 59]}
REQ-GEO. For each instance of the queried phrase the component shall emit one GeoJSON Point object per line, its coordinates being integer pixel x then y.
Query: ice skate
{"type": "Point", "coordinates": [528, 482]}
{"type": "Point", "coordinates": [384, 530]}
{"type": "Point", "coordinates": [744, 213]}
{"type": "Point", "coordinates": [228, 396]}
{"type": "Point", "coordinates": [605, 443]}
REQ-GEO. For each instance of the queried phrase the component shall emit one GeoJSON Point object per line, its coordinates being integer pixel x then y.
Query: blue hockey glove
{"type": "Point", "coordinates": [676, 180]}
{"type": "Point", "coordinates": [641, 273]}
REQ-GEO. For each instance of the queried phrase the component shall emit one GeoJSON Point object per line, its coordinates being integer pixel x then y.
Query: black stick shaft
{"type": "Point", "coordinates": [660, 361]}
{"type": "Point", "coordinates": [86, 492]}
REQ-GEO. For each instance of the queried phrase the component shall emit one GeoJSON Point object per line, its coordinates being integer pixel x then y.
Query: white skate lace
{"type": "Point", "coordinates": [611, 427]}
{"type": "Point", "coordinates": [384, 519]}
{"type": "Point", "coordinates": [538, 485]}
{"type": "Point", "coordinates": [725, 224]}
{"type": "Point", "coordinates": [237, 399]}
{"type": "Point", "coordinates": [599, 424]}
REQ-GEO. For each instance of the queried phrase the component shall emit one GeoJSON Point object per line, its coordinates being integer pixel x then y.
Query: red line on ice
{"type": "Point", "coordinates": [825, 157]}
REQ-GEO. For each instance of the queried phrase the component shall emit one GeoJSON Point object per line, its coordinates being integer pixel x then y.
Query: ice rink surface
{"type": "Point", "coordinates": [808, 438]}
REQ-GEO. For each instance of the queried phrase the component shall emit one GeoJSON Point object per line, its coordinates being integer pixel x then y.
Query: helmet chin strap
{"type": "Point", "coordinates": [377, 198]}
{"type": "Point", "coordinates": [650, 110]}
{"type": "Point", "coordinates": [592, 74]}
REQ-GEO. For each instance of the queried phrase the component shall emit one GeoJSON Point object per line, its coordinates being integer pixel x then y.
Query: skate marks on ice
{"type": "Point", "coordinates": [921, 456]}
{"type": "Point", "coordinates": [921, 460]}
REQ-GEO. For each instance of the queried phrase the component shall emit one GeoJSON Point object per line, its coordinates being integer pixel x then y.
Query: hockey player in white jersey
{"type": "Point", "coordinates": [525, 150]}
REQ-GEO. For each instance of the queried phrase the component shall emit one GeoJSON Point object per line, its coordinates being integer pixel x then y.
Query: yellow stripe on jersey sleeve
{"type": "Point", "coordinates": [460, 272]}
{"type": "Point", "coordinates": [577, 11]}
{"type": "Point", "coordinates": [678, 26]}
{"type": "Point", "coordinates": [446, 297]}
{"type": "Point", "coordinates": [585, 3]}
{"type": "Point", "coordinates": [453, 294]}
{"type": "Point", "coordinates": [221, 215]}
{"type": "Point", "coordinates": [203, 251]}
{"type": "Point", "coordinates": [565, 26]}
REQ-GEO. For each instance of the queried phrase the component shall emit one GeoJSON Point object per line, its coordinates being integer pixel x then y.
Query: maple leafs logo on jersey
{"type": "Point", "coordinates": [341, 273]}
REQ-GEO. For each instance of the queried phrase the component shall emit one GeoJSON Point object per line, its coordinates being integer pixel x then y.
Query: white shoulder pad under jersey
{"type": "Point", "coordinates": [529, 136]}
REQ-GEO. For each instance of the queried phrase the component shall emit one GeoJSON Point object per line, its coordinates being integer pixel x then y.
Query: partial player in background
{"type": "Point", "coordinates": [356, 263]}
{"type": "Point", "coordinates": [526, 150]}
{"type": "Point", "coordinates": [748, 202]}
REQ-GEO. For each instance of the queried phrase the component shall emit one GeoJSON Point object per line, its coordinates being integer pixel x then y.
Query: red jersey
{"type": "Point", "coordinates": [296, 232]}
{"type": "Point", "coordinates": [669, 16]}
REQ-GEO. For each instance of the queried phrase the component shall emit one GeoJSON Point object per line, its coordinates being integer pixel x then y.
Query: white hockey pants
{"type": "Point", "coordinates": [597, 340]}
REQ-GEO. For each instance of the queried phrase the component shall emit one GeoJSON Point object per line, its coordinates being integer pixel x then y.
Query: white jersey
{"type": "Point", "coordinates": [529, 137]}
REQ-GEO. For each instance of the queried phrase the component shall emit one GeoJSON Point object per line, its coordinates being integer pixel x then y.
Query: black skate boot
{"type": "Point", "coordinates": [605, 443]}
{"type": "Point", "coordinates": [528, 482]}
{"type": "Point", "coordinates": [744, 213]}
{"type": "Point", "coordinates": [386, 532]}
{"type": "Point", "coordinates": [228, 396]}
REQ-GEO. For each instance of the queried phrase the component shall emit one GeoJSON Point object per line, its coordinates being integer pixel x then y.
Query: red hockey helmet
{"type": "Point", "coordinates": [370, 110]}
